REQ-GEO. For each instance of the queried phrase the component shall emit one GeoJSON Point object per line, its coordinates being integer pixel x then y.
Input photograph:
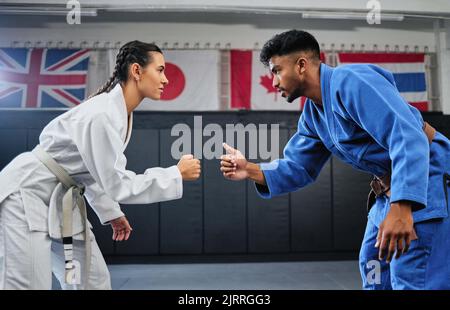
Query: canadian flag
{"type": "Point", "coordinates": [193, 82]}
{"type": "Point", "coordinates": [251, 84]}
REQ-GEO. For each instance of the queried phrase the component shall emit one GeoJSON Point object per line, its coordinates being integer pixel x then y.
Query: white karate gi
{"type": "Point", "coordinates": [88, 141]}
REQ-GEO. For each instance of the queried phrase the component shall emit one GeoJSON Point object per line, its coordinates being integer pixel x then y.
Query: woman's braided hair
{"type": "Point", "coordinates": [129, 53]}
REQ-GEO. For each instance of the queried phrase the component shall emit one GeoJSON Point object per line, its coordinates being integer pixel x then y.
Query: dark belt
{"type": "Point", "coordinates": [382, 185]}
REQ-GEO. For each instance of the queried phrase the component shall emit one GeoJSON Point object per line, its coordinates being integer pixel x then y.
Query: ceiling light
{"type": "Point", "coordinates": [357, 16]}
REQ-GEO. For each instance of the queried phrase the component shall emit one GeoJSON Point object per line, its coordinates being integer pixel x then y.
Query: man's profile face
{"type": "Point", "coordinates": [285, 76]}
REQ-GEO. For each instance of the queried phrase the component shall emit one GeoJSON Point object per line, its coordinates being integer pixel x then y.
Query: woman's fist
{"type": "Point", "coordinates": [189, 167]}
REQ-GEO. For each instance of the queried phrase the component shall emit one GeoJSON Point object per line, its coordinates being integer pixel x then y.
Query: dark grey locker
{"type": "Point", "coordinates": [311, 215]}
{"type": "Point", "coordinates": [268, 220]}
{"type": "Point", "coordinates": [181, 221]}
{"type": "Point", "coordinates": [103, 233]}
{"type": "Point", "coordinates": [350, 189]}
{"type": "Point", "coordinates": [14, 142]}
{"type": "Point", "coordinates": [33, 138]}
{"type": "Point", "coordinates": [142, 153]}
{"type": "Point", "coordinates": [225, 223]}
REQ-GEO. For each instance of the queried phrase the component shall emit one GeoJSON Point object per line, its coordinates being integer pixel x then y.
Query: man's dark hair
{"type": "Point", "coordinates": [289, 42]}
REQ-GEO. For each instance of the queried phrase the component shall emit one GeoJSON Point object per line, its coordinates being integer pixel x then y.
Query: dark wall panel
{"type": "Point", "coordinates": [268, 220]}
{"type": "Point", "coordinates": [181, 220]}
{"type": "Point", "coordinates": [103, 233]}
{"type": "Point", "coordinates": [350, 190]}
{"type": "Point", "coordinates": [142, 153]}
{"type": "Point", "coordinates": [13, 142]}
{"type": "Point", "coordinates": [311, 215]}
{"type": "Point", "coordinates": [33, 138]}
{"type": "Point", "coordinates": [225, 212]}
{"type": "Point", "coordinates": [217, 216]}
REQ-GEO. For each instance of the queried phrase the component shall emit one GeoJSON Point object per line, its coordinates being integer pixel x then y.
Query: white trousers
{"type": "Point", "coordinates": [27, 258]}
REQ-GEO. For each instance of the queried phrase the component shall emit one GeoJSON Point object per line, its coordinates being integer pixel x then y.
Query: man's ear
{"type": "Point", "coordinates": [301, 65]}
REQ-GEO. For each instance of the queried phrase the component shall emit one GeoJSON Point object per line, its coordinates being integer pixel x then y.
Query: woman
{"type": "Point", "coordinates": [42, 212]}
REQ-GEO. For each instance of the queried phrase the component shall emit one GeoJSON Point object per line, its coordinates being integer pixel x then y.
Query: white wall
{"type": "Point", "coordinates": [237, 30]}
{"type": "Point", "coordinates": [410, 6]}
{"type": "Point", "coordinates": [444, 68]}
{"type": "Point", "coordinates": [233, 30]}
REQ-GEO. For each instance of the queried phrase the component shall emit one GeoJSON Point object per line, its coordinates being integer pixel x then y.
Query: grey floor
{"type": "Point", "coordinates": [342, 275]}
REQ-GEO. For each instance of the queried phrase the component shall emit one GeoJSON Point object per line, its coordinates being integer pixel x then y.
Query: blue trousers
{"type": "Point", "coordinates": [425, 266]}
{"type": "Point", "coordinates": [427, 263]}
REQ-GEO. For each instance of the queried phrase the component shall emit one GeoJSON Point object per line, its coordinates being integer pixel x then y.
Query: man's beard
{"type": "Point", "coordinates": [298, 92]}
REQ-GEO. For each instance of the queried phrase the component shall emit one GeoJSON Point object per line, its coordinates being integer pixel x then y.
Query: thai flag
{"type": "Point", "coordinates": [408, 70]}
{"type": "Point", "coordinates": [47, 78]}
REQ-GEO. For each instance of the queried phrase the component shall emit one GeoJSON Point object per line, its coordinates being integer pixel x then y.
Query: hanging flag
{"type": "Point", "coordinates": [408, 70]}
{"type": "Point", "coordinates": [193, 82]}
{"type": "Point", "coordinates": [251, 84]}
{"type": "Point", "coordinates": [42, 78]}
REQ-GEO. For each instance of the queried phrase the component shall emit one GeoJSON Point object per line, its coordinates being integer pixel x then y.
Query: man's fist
{"type": "Point", "coordinates": [189, 167]}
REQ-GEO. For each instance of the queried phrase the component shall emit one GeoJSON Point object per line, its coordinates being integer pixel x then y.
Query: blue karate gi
{"type": "Point", "coordinates": [365, 122]}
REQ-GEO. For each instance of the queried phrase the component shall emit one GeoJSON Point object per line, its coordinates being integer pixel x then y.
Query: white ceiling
{"type": "Point", "coordinates": [422, 7]}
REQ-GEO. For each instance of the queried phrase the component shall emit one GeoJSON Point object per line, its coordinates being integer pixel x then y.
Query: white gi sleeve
{"type": "Point", "coordinates": [105, 208]}
{"type": "Point", "coordinates": [101, 149]}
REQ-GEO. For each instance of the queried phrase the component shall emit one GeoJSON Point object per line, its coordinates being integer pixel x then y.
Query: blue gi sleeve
{"type": "Point", "coordinates": [303, 158]}
{"type": "Point", "coordinates": [369, 95]}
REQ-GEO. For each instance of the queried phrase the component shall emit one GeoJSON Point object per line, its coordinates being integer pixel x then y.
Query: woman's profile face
{"type": "Point", "coordinates": [153, 79]}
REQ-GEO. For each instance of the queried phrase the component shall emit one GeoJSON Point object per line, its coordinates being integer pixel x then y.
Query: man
{"type": "Point", "coordinates": [356, 113]}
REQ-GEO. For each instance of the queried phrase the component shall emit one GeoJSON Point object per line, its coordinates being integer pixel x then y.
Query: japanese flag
{"type": "Point", "coordinates": [193, 82]}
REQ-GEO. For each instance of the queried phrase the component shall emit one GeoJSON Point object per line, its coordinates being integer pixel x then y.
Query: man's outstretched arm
{"type": "Point", "coordinates": [303, 158]}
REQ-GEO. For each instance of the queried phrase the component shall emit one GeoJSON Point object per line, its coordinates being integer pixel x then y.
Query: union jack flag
{"type": "Point", "coordinates": [42, 78]}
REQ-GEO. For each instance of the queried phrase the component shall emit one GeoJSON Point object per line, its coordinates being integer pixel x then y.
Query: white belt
{"type": "Point", "coordinates": [77, 190]}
